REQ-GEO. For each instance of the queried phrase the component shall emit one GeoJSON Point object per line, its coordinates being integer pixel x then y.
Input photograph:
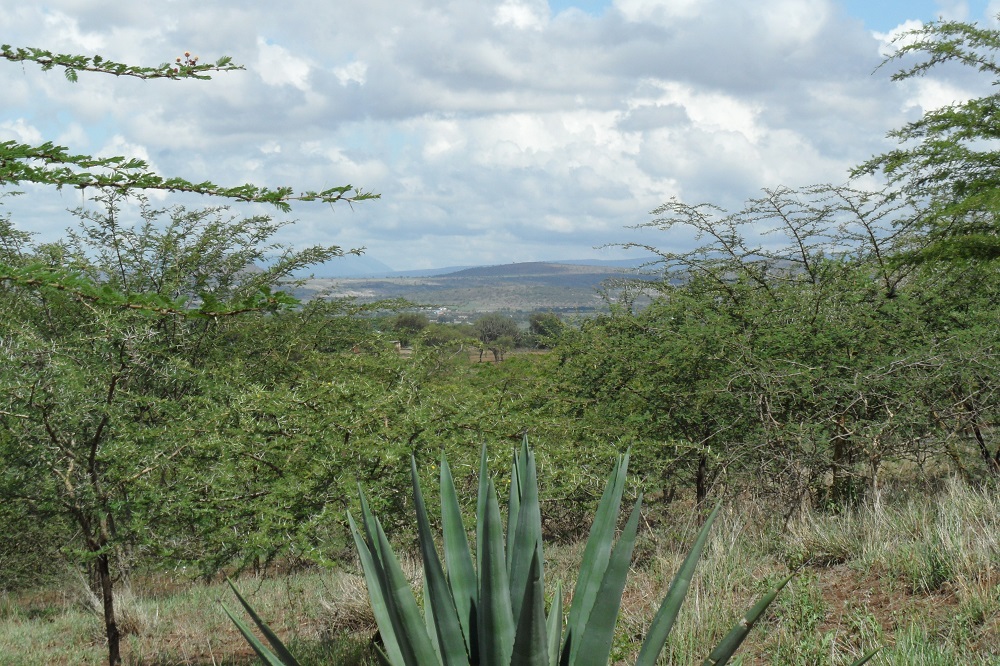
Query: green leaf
{"type": "Point", "coordinates": [429, 622]}
{"type": "Point", "coordinates": [867, 657]}
{"type": "Point", "coordinates": [481, 503]}
{"type": "Point", "coordinates": [660, 628]}
{"type": "Point", "coordinates": [513, 509]}
{"type": "Point", "coordinates": [458, 558]}
{"type": "Point", "coordinates": [596, 556]}
{"type": "Point", "coordinates": [496, 621]}
{"type": "Point", "coordinates": [594, 644]}
{"type": "Point", "coordinates": [554, 626]}
{"type": "Point", "coordinates": [383, 660]}
{"type": "Point", "coordinates": [442, 607]}
{"type": "Point", "coordinates": [265, 655]}
{"type": "Point", "coordinates": [282, 652]}
{"type": "Point", "coordinates": [527, 532]}
{"type": "Point", "coordinates": [531, 646]}
{"type": "Point", "coordinates": [411, 632]}
{"type": "Point", "coordinates": [732, 641]}
{"type": "Point", "coordinates": [376, 596]}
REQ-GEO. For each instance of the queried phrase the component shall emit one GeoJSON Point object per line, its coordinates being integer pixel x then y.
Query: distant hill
{"type": "Point", "coordinates": [528, 269]}
{"type": "Point", "coordinates": [351, 265]}
{"type": "Point", "coordinates": [635, 262]}
{"type": "Point", "coordinates": [364, 266]}
{"type": "Point", "coordinates": [523, 287]}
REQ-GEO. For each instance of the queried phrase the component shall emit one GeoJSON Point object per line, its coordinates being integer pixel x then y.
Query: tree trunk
{"type": "Point", "coordinates": [992, 462]}
{"type": "Point", "coordinates": [701, 480]}
{"type": "Point", "coordinates": [840, 490]}
{"type": "Point", "coordinates": [108, 599]}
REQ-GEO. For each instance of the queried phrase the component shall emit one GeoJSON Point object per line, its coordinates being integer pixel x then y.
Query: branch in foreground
{"type": "Point", "coordinates": [38, 276]}
{"type": "Point", "coordinates": [49, 164]}
{"type": "Point", "coordinates": [187, 68]}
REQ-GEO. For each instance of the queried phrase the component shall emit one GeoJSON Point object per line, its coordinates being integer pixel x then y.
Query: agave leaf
{"type": "Point", "coordinates": [732, 641]}
{"type": "Point", "coordinates": [429, 623]}
{"type": "Point", "coordinates": [442, 618]}
{"type": "Point", "coordinates": [481, 502]}
{"type": "Point", "coordinates": [380, 607]}
{"type": "Point", "coordinates": [659, 630]}
{"type": "Point", "coordinates": [458, 558]}
{"type": "Point", "coordinates": [266, 656]}
{"type": "Point", "coordinates": [531, 645]}
{"type": "Point", "coordinates": [368, 520]}
{"type": "Point", "coordinates": [867, 657]}
{"type": "Point", "coordinates": [528, 540]}
{"type": "Point", "coordinates": [282, 652]}
{"type": "Point", "coordinates": [496, 622]}
{"type": "Point", "coordinates": [554, 626]}
{"type": "Point", "coordinates": [594, 644]}
{"type": "Point", "coordinates": [514, 508]}
{"type": "Point", "coordinates": [411, 631]}
{"type": "Point", "coordinates": [596, 556]}
{"type": "Point", "coordinates": [382, 659]}
{"type": "Point", "coordinates": [407, 625]}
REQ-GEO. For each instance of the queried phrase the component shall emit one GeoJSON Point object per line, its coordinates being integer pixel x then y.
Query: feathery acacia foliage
{"type": "Point", "coordinates": [948, 159]}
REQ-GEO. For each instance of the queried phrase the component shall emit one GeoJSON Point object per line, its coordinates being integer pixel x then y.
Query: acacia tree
{"type": "Point", "coordinates": [791, 356]}
{"type": "Point", "coordinates": [948, 159]}
{"type": "Point", "coordinates": [545, 327]}
{"type": "Point", "coordinates": [115, 336]}
{"type": "Point", "coordinates": [497, 333]}
{"type": "Point", "coordinates": [408, 326]}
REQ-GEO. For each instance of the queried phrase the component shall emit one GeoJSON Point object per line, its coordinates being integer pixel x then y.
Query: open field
{"type": "Point", "coordinates": [918, 573]}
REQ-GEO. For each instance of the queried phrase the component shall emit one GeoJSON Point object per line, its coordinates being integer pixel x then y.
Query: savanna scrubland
{"type": "Point", "coordinates": [169, 417]}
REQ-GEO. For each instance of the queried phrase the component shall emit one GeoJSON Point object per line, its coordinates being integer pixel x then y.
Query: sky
{"type": "Point", "coordinates": [496, 131]}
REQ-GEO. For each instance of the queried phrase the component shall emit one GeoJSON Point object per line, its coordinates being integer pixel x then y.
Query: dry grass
{"type": "Point", "coordinates": [166, 620]}
{"type": "Point", "coordinates": [920, 577]}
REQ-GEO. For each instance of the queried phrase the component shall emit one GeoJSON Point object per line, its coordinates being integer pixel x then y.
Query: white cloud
{"type": "Point", "coordinates": [709, 110]}
{"type": "Point", "coordinates": [953, 10]}
{"type": "Point", "coordinates": [494, 130]}
{"type": "Point", "coordinates": [931, 94]}
{"type": "Point", "coordinates": [270, 148]}
{"type": "Point", "coordinates": [898, 37]}
{"type": "Point", "coordinates": [442, 137]}
{"type": "Point", "coordinates": [118, 146]}
{"type": "Point", "coordinates": [66, 30]}
{"type": "Point", "coordinates": [74, 136]}
{"type": "Point", "coordinates": [559, 224]}
{"type": "Point", "coordinates": [522, 14]}
{"type": "Point", "coordinates": [992, 9]}
{"type": "Point", "coordinates": [795, 22]}
{"type": "Point", "coordinates": [20, 131]}
{"type": "Point", "coordinates": [657, 11]}
{"type": "Point", "coordinates": [277, 66]}
{"type": "Point", "coordinates": [353, 72]}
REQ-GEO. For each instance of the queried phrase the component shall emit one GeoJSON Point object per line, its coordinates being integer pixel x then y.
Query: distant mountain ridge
{"type": "Point", "coordinates": [525, 269]}
{"type": "Point", "coordinates": [363, 266]}
{"type": "Point", "coordinates": [525, 286]}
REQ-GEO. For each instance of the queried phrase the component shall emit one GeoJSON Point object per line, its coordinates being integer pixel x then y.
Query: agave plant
{"type": "Point", "coordinates": [487, 606]}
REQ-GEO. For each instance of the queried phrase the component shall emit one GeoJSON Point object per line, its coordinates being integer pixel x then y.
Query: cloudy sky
{"type": "Point", "coordinates": [495, 130]}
